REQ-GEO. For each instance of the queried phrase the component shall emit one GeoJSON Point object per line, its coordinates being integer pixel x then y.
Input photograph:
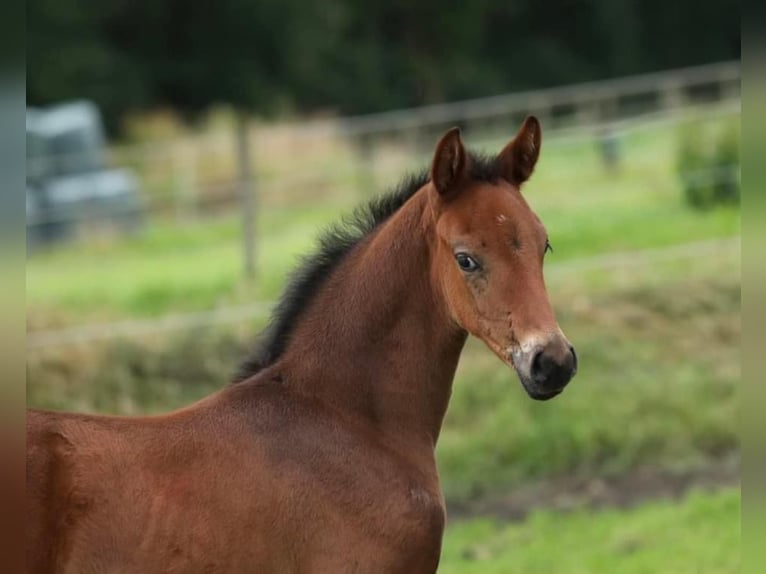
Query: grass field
{"type": "Point", "coordinates": [699, 535]}
{"type": "Point", "coordinates": [657, 335]}
{"type": "Point", "coordinates": [658, 384]}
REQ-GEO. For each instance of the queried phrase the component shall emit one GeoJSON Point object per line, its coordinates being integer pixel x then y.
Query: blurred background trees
{"type": "Point", "coordinates": [282, 56]}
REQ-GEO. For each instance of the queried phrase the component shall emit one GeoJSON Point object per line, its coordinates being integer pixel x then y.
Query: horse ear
{"type": "Point", "coordinates": [449, 161]}
{"type": "Point", "coordinates": [518, 158]}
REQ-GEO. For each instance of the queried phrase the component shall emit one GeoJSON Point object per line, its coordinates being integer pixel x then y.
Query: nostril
{"type": "Point", "coordinates": [541, 366]}
{"type": "Point", "coordinates": [554, 367]}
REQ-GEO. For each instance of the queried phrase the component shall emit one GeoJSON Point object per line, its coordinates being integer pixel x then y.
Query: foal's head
{"type": "Point", "coordinates": [489, 256]}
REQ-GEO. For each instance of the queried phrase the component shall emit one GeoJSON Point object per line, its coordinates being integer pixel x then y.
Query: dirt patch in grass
{"type": "Point", "coordinates": [569, 493]}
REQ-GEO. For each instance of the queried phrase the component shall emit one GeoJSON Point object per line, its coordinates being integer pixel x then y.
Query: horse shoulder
{"type": "Point", "coordinates": [56, 501]}
{"type": "Point", "coordinates": [334, 468]}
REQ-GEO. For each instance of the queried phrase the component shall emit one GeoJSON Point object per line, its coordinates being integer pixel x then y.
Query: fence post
{"type": "Point", "coordinates": [730, 88]}
{"type": "Point", "coordinates": [246, 192]}
{"type": "Point", "coordinates": [671, 94]}
{"type": "Point", "coordinates": [186, 180]}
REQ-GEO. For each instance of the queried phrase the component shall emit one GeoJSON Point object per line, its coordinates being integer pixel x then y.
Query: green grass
{"type": "Point", "coordinates": [172, 266]}
{"type": "Point", "coordinates": [699, 535]}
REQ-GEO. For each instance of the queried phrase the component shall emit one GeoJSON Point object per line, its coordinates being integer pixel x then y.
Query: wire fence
{"type": "Point", "coordinates": [193, 177]}
{"type": "Point", "coordinates": [291, 186]}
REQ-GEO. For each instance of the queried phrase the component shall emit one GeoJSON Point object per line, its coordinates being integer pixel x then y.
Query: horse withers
{"type": "Point", "coordinates": [319, 457]}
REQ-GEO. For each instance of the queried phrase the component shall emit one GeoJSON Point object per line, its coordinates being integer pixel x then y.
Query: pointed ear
{"type": "Point", "coordinates": [518, 158]}
{"type": "Point", "coordinates": [449, 161]}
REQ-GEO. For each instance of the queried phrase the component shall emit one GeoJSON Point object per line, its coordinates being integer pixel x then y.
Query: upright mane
{"type": "Point", "coordinates": [334, 244]}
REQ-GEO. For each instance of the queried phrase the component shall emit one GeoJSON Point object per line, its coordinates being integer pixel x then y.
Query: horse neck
{"type": "Point", "coordinates": [377, 342]}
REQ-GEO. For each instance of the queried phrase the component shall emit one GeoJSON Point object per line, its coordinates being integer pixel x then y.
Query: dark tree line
{"type": "Point", "coordinates": [353, 57]}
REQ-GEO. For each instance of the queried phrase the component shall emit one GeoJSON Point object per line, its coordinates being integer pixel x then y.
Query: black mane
{"type": "Point", "coordinates": [334, 244]}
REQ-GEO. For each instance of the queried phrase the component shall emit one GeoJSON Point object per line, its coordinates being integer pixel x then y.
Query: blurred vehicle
{"type": "Point", "coordinates": [69, 184]}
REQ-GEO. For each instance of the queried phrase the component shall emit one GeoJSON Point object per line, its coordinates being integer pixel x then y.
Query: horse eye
{"type": "Point", "coordinates": [466, 262]}
{"type": "Point", "coordinates": [548, 247]}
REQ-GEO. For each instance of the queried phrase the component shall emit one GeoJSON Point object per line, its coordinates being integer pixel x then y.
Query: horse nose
{"type": "Point", "coordinates": [554, 365]}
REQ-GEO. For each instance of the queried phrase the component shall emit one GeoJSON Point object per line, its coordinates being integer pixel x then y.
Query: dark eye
{"type": "Point", "coordinates": [466, 262]}
{"type": "Point", "coordinates": [548, 247]}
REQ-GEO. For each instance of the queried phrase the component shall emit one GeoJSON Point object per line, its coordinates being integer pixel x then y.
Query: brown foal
{"type": "Point", "coordinates": [320, 458]}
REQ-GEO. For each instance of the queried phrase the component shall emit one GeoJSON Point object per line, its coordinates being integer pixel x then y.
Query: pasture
{"type": "Point", "coordinates": [698, 534]}
{"type": "Point", "coordinates": [646, 288]}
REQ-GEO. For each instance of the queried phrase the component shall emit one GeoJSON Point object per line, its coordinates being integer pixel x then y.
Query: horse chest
{"type": "Point", "coordinates": [397, 530]}
{"type": "Point", "coordinates": [340, 497]}
{"type": "Point", "coordinates": [393, 519]}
